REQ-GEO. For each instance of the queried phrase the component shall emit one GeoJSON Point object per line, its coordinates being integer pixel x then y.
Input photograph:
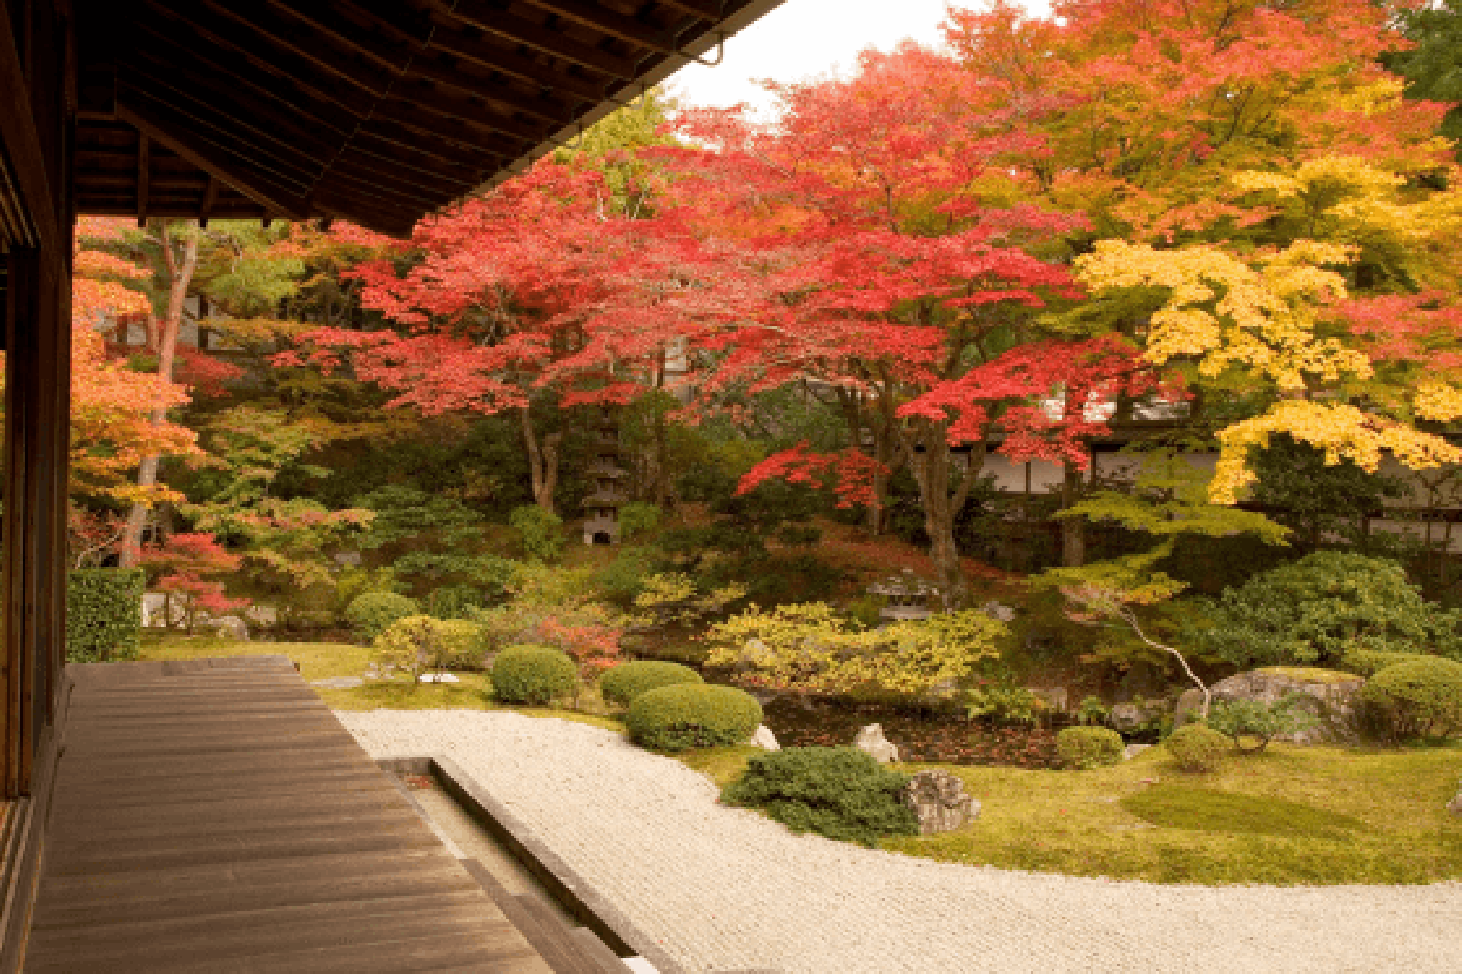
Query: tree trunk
{"type": "Point", "coordinates": [180, 277]}
{"type": "Point", "coordinates": [932, 469]}
{"type": "Point", "coordinates": [1073, 529]}
{"type": "Point", "coordinates": [542, 461]}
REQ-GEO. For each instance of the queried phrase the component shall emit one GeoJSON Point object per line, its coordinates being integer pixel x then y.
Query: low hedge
{"type": "Point", "coordinates": [1369, 662]}
{"type": "Point", "coordinates": [533, 674]}
{"type": "Point", "coordinates": [1089, 747]}
{"type": "Point", "coordinates": [103, 614]}
{"type": "Point", "coordinates": [627, 681]}
{"type": "Point", "coordinates": [372, 613]}
{"type": "Point", "coordinates": [1419, 698]}
{"type": "Point", "coordinates": [687, 715]}
{"type": "Point", "coordinates": [838, 792]}
{"type": "Point", "coordinates": [1197, 747]}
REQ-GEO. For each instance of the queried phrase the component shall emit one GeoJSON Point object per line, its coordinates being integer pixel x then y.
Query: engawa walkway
{"type": "Point", "coordinates": [214, 816]}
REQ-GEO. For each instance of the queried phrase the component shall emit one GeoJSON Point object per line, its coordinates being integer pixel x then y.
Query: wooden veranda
{"type": "Point", "coordinates": [375, 111]}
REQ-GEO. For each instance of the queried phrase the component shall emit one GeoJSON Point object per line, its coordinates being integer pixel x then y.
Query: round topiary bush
{"type": "Point", "coordinates": [628, 680]}
{"type": "Point", "coordinates": [372, 613]}
{"type": "Point", "coordinates": [688, 715]}
{"type": "Point", "coordinates": [532, 674]}
{"type": "Point", "coordinates": [1418, 698]}
{"type": "Point", "coordinates": [1089, 747]}
{"type": "Point", "coordinates": [1197, 747]}
{"type": "Point", "coordinates": [838, 792]}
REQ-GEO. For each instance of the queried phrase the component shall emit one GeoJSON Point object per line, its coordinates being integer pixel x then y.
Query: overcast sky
{"type": "Point", "coordinates": [807, 39]}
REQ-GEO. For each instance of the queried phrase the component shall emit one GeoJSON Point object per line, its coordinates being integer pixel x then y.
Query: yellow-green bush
{"type": "Point", "coordinates": [625, 682]}
{"type": "Point", "coordinates": [1089, 747]}
{"type": "Point", "coordinates": [1419, 698]}
{"type": "Point", "coordinates": [1197, 747]}
{"type": "Point", "coordinates": [687, 715]}
{"type": "Point", "coordinates": [533, 674]}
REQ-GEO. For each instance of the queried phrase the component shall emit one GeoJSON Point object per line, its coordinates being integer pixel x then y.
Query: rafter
{"type": "Point", "coordinates": [486, 17]}
{"type": "Point", "coordinates": [207, 154]}
{"type": "Point", "coordinates": [609, 22]}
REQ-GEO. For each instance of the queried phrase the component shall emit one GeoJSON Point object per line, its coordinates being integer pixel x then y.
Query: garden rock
{"type": "Point", "coordinates": [1190, 703]}
{"type": "Point", "coordinates": [871, 740]}
{"type": "Point", "coordinates": [1132, 750]}
{"type": "Point", "coordinates": [939, 800]}
{"type": "Point", "coordinates": [765, 739]}
{"type": "Point", "coordinates": [1130, 716]}
{"type": "Point", "coordinates": [998, 612]}
{"type": "Point", "coordinates": [231, 627]}
{"type": "Point", "coordinates": [1329, 695]}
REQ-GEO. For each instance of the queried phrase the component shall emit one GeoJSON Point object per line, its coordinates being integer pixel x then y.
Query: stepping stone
{"type": "Point", "coordinates": [338, 682]}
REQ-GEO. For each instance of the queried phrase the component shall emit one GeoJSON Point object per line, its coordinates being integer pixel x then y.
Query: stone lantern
{"type": "Point", "coordinates": [909, 597]}
{"type": "Point", "coordinates": [601, 507]}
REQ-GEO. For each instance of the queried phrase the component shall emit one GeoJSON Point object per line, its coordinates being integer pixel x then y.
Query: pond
{"type": "Point", "coordinates": [944, 738]}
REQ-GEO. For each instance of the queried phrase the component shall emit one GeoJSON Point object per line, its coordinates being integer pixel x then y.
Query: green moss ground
{"type": "Point", "coordinates": [1288, 816]}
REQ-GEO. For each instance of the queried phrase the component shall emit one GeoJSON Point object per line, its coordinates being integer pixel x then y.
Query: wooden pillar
{"type": "Point", "coordinates": [33, 532]}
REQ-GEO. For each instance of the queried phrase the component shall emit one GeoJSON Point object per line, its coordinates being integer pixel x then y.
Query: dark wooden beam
{"type": "Point", "coordinates": [493, 20]}
{"type": "Point", "coordinates": [395, 148]}
{"type": "Point", "coordinates": [144, 167]}
{"type": "Point", "coordinates": [245, 139]}
{"type": "Point", "coordinates": [498, 57]}
{"type": "Point", "coordinates": [711, 10]}
{"type": "Point", "coordinates": [214, 156]}
{"type": "Point", "coordinates": [610, 22]}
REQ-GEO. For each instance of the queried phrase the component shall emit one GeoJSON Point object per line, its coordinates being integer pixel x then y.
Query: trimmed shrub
{"type": "Point", "coordinates": [688, 715]}
{"type": "Point", "coordinates": [103, 614]}
{"type": "Point", "coordinates": [627, 681]}
{"type": "Point", "coordinates": [1089, 747]}
{"type": "Point", "coordinates": [1197, 747]}
{"type": "Point", "coordinates": [1369, 662]}
{"type": "Point", "coordinates": [372, 613]}
{"type": "Point", "coordinates": [533, 674]}
{"type": "Point", "coordinates": [838, 792]}
{"type": "Point", "coordinates": [1420, 698]}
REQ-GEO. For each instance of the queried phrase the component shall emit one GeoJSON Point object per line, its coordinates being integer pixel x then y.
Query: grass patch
{"type": "Point", "coordinates": [317, 661]}
{"type": "Point", "coordinates": [1187, 807]}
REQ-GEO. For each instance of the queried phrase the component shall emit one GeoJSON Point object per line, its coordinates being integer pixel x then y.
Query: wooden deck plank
{"type": "Point", "coordinates": [215, 816]}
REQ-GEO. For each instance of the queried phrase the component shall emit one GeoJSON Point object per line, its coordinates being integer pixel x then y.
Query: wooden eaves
{"type": "Point", "coordinates": [375, 111]}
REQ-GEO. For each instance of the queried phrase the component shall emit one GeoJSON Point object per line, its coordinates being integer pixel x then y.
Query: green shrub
{"type": "Point", "coordinates": [627, 681]}
{"type": "Point", "coordinates": [461, 644]}
{"type": "Point", "coordinates": [454, 601]}
{"type": "Point", "coordinates": [638, 517]}
{"type": "Point", "coordinates": [1369, 662]}
{"type": "Point", "coordinates": [1089, 747]}
{"type": "Point", "coordinates": [1091, 710]}
{"type": "Point", "coordinates": [1197, 747]}
{"type": "Point", "coordinates": [533, 674]}
{"type": "Point", "coordinates": [103, 614]}
{"type": "Point", "coordinates": [1003, 705]}
{"type": "Point", "coordinates": [1239, 720]}
{"type": "Point", "coordinates": [372, 613]}
{"type": "Point", "coordinates": [688, 715]}
{"type": "Point", "coordinates": [1420, 698]}
{"type": "Point", "coordinates": [540, 531]}
{"type": "Point", "coordinates": [414, 645]}
{"type": "Point", "coordinates": [838, 792]}
{"type": "Point", "coordinates": [1316, 610]}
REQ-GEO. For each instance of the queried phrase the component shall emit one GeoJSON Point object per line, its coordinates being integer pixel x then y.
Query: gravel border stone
{"type": "Point", "coordinates": [726, 889]}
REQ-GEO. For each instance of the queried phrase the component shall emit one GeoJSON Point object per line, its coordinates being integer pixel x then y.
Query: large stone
{"type": "Point", "coordinates": [230, 627]}
{"type": "Point", "coordinates": [871, 740]}
{"type": "Point", "coordinates": [939, 800]}
{"type": "Point", "coordinates": [765, 739]}
{"type": "Point", "coordinates": [1132, 750]}
{"type": "Point", "coordinates": [1131, 716]}
{"type": "Point", "coordinates": [1331, 696]}
{"type": "Point", "coordinates": [1190, 705]}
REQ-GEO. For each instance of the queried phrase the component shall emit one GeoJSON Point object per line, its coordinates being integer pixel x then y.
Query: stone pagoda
{"type": "Point", "coordinates": [909, 597]}
{"type": "Point", "coordinates": [601, 507]}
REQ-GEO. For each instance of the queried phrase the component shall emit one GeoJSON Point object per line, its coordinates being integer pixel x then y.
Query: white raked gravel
{"type": "Point", "coordinates": [726, 889]}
